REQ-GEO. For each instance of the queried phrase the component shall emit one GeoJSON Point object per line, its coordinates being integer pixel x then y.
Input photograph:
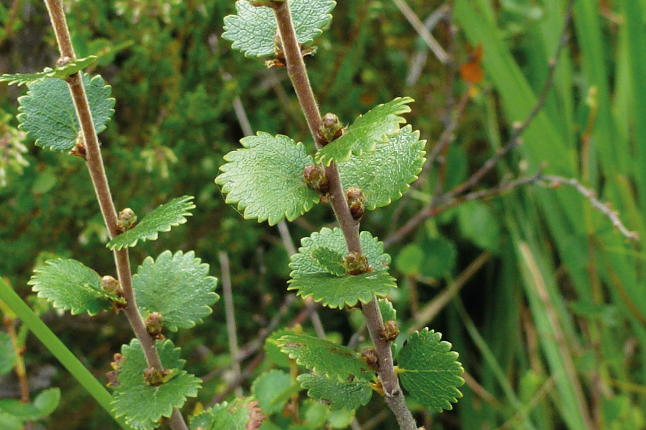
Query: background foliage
{"type": "Point", "coordinates": [546, 305]}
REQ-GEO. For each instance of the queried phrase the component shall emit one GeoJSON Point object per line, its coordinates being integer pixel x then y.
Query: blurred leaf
{"type": "Point", "coordinates": [376, 126]}
{"type": "Point", "coordinates": [47, 401]}
{"type": "Point", "coordinates": [252, 30]}
{"type": "Point", "coordinates": [58, 129]}
{"type": "Point", "coordinates": [177, 286]}
{"type": "Point", "coordinates": [162, 218]}
{"type": "Point", "coordinates": [268, 387]}
{"type": "Point", "coordinates": [312, 279]}
{"type": "Point", "coordinates": [7, 354]}
{"type": "Point", "coordinates": [69, 285]}
{"type": "Point", "coordinates": [410, 259]}
{"type": "Point", "coordinates": [440, 256]}
{"type": "Point", "coordinates": [478, 224]}
{"type": "Point", "coordinates": [429, 370]}
{"type": "Point", "coordinates": [265, 178]}
{"type": "Point", "coordinates": [349, 395]}
{"type": "Point", "coordinates": [340, 419]}
{"type": "Point", "coordinates": [315, 413]}
{"type": "Point", "coordinates": [61, 72]}
{"type": "Point", "coordinates": [144, 405]}
{"type": "Point", "coordinates": [325, 357]}
{"type": "Point", "coordinates": [388, 313]}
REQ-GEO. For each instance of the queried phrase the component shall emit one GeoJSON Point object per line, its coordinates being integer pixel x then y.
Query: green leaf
{"type": "Point", "coordinates": [10, 422]}
{"type": "Point", "coordinates": [478, 224]}
{"type": "Point", "coordinates": [314, 413]}
{"type": "Point", "coordinates": [265, 178]}
{"type": "Point", "coordinates": [330, 260]}
{"type": "Point", "coordinates": [48, 114]}
{"type": "Point", "coordinates": [70, 285]}
{"type": "Point", "coordinates": [366, 132]}
{"type": "Point", "coordinates": [273, 351]}
{"type": "Point", "coordinates": [388, 313]}
{"type": "Point", "coordinates": [252, 30]}
{"type": "Point", "coordinates": [385, 173]}
{"type": "Point", "coordinates": [61, 72]}
{"type": "Point", "coordinates": [144, 405]}
{"type": "Point", "coordinates": [440, 256]}
{"type": "Point", "coordinates": [311, 278]}
{"type": "Point", "coordinates": [7, 354]}
{"type": "Point", "coordinates": [429, 370]}
{"type": "Point", "coordinates": [177, 286]}
{"type": "Point", "coordinates": [44, 404]}
{"type": "Point", "coordinates": [340, 419]}
{"type": "Point", "coordinates": [268, 387]}
{"type": "Point", "coordinates": [242, 414]}
{"type": "Point", "coordinates": [161, 219]}
{"type": "Point", "coordinates": [410, 259]}
{"type": "Point", "coordinates": [349, 395]}
{"type": "Point", "coordinates": [325, 357]}
{"type": "Point", "coordinates": [47, 401]}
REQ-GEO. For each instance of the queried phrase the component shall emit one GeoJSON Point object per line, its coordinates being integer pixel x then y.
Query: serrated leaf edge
{"type": "Point", "coordinates": [155, 235]}
{"type": "Point", "coordinates": [383, 139]}
{"type": "Point", "coordinates": [60, 72]}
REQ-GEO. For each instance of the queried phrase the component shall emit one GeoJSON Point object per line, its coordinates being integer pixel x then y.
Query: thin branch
{"type": "Point", "coordinates": [419, 27]}
{"type": "Point", "coordinates": [350, 228]}
{"type": "Point", "coordinates": [590, 195]}
{"type": "Point", "coordinates": [19, 367]}
{"type": "Point", "coordinates": [96, 169]}
{"type": "Point", "coordinates": [286, 238]}
{"type": "Point", "coordinates": [230, 316]}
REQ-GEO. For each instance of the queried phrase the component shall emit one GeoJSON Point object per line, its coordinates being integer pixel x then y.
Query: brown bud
{"type": "Point", "coordinates": [111, 286]}
{"type": "Point", "coordinates": [330, 128]}
{"type": "Point", "coordinates": [356, 264]}
{"type": "Point", "coordinates": [118, 361]}
{"type": "Point", "coordinates": [369, 356]}
{"type": "Point", "coordinates": [127, 219]}
{"type": "Point", "coordinates": [356, 202]}
{"type": "Point", "coordinates": [153, 376]}
{"type": "Point", "coordinates": [154, 323]}
{"type": "Point", "coordinates": [391, 331]}
{"type": "Point", "coordinates": [315, 178]}
{"type": "Point", "coordinates": [112, 378]}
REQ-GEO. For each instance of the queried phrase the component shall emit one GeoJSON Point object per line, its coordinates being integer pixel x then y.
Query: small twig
{"type": "Point", "coordinates": [590, 195]}
{"type": "Point", "coordinates": [421, 54]}
{"type": "Point", "coordinates": [244, 375]}
{"type": "Point", "coordinates": [350, 228]}
{"type": "Point", "coordinates": [519, 128]}
{"type": "Point", "coordinates": [230, 316]}
{"type": "Point", "coordinates": [96, 168]}
{"type": "Point", "coordinates": [419, 27]}
{"type": "Point", "coordinates": [547, 386]}
{"type": "Point", "coordinates": [19, 368]}
{"type": "Point", "coordinates": [286, 238]}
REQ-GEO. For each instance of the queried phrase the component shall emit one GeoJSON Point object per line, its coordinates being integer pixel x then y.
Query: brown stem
{"type": "Point", "coordinates": [19, 368]}
{"type": "Point", "coordinates": [96, 169]}
{"type": "Point", "coordinates": [350, 228]}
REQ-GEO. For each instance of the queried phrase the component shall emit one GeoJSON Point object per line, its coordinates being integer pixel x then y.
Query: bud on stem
{"type": "Point", "coordinates": [127, 220]}
{"type": "Point", "coordinates": [330, 128]}
{"type": "Point", "coordinates": [315, 178]}
{"type": "Point", "coordinates": [356, 202]}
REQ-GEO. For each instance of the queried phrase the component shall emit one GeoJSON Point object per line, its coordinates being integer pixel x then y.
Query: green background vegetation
{"type": "Point", "coordinates": [551, 327]}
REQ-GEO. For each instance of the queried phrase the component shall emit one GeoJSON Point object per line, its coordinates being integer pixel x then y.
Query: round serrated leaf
{"type": "Point", "coordinates": [325, 357]}
{"type": "Point", "coordinates": [177, 286]}
{"type": "Point", "coordinates": [376, 126]}
{"type": "Point", "coordinates": [252, 29]}
{"type": "Point", "coordinates": [267, 387]}
{"type": "Point", "coordinates": [161, 219]}
{"type": "Point", "coordinates": [70, 285]}
{"type": "Point", "coordinates": [385, 173]}
{"type": "Point", "coordinates": [241, 414]}
{"type": "Point", "coordinates": [312, 275]}
{"type": "Point", "coordinates": [265, 178]}
{"type": "Point", "coordinates": [429, 370]}
{"type": "Point", "coordinates": [349, 395]}
{"type": "Point", "coordinates": [440, 256]}
{"type": "Point", "coordinates": [144, 405]}
{"type": "Point", "coordinates": [47, 112]}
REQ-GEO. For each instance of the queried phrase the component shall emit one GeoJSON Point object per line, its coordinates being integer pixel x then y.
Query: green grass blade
{"type": "Point", "coordinates": [59, 350]}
